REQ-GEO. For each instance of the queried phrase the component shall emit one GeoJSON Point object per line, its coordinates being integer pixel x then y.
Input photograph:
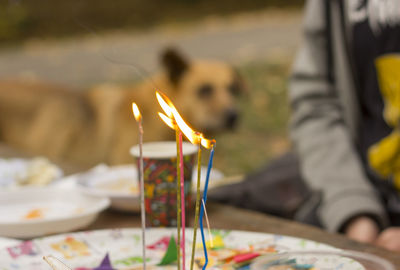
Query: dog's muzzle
{"type": "Point", "coordinates": [231, 117]}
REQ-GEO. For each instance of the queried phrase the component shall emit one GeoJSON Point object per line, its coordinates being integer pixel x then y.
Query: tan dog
{"type": "Point", "coordinates": [88, 127]}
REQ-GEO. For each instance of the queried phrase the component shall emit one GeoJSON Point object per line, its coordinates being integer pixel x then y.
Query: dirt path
{"type": "Point", "coordinates": [82, 61]}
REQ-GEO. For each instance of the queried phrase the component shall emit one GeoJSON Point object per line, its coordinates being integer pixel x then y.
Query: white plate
{"type": "Point", "coordinates": [35, 212]}
{"type": "Point", "coordinates": [120, 184]}
{"type": "Point", "coordinates": [124, 246]}
{"type": "Point", "coordinates": [16, 173]}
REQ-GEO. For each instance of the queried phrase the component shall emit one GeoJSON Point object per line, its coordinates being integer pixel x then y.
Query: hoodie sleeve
{"type": "Point", "coordinates": [328, 157]}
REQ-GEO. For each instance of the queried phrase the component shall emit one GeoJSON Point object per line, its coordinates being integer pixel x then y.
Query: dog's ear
{"type": "Point", "coordinates": [175, 64]}
{"type": "Point", "coordinates": [239, 85]}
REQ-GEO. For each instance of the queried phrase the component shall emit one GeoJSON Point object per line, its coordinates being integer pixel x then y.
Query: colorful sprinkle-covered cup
{"type": "Point", "coordinates": [160, 187]}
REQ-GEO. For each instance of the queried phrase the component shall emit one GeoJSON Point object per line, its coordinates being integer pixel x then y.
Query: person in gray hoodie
{"type": "Point", "coordinates": [345, 99]}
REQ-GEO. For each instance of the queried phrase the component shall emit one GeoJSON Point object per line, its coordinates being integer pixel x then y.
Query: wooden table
{"type": "Point", "coordinates": [230, 218]}
{"type": "Point", "coordinates": [227, 217]}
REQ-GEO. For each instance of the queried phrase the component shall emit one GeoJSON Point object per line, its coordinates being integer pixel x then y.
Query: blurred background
{"type": "Point", "coordinates": [81, 43]}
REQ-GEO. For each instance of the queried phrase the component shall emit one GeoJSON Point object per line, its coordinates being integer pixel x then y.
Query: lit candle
{"type": "Point", "coordinates": [138, 118]}
{"type": "Point", "coordinates": [180, 194]}
{"type": "Point", "coordinates": [182, 190]}
{"type": "Point", "coordinates": [173, 119]}
{"type": "Point", "coordinates": [210, 161]}
{"type": "Point", "coordinates": [195, 138]}
{"type": "Point", "coordinates": [196, 216]}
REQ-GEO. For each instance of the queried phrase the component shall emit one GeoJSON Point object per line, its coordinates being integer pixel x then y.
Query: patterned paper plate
{"type": "Point", "coordinates": [88, 250]}
{"type": "Point", "coordinates": [6, 242]}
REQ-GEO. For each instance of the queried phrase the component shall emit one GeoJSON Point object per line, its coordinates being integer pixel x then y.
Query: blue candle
{"type": "Point", "coordinates": [210, 162]}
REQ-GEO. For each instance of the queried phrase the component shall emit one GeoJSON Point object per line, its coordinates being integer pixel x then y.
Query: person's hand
{"type": "Point", "coordinates": [389, 239]}
{"type": "Point", "coordinates": [363, 229]}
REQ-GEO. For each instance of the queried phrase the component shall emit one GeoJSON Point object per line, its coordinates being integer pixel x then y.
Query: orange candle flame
{"type": "Point", "coordinates": [167, 120]}
{"type": "Point", "coordinates": [165, 103]}
{"type": "Point", "coordinates": [206, 143]}
{"type": "Point", "coordinates": [136, 112]}
{"type": "Point", "coordinates": [174, 120]}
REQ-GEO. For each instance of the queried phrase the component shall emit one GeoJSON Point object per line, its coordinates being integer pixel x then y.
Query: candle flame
{"type": "Point", "coordinates": [206, 143]}
{"type": "Point", "coordinates": [136, 112]}
{"type": "Point", "coordinates": [167, 120]}
{"type": "Point", "coordinates": [174, 120]}
{"type": "Point", "coordinates": [165, 103]}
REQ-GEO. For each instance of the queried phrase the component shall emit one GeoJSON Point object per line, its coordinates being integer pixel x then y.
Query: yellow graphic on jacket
{"type": "Point", "coordinates": [384, 156]}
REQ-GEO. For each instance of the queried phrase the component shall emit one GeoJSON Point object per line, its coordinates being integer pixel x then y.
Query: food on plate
{"type": "Point", "coordinates": [124, 185]}
{"type": "Point", "coordinates": [34, 214]}
{"type": "Point", "coordinates": [24, 172]}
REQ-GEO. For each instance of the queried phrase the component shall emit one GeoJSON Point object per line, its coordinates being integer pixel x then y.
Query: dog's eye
{"type": "Point", "coordinates": [205, 91]}
{"type": "Point", "coordinates": [234, 88]}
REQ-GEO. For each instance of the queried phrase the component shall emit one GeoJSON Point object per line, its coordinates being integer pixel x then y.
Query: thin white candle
{"type": "Point", "coordinates": [138, 118]}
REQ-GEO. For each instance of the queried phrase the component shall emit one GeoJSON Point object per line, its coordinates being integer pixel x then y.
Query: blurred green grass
{"type": "Point", "coordinates": [262, 132]}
